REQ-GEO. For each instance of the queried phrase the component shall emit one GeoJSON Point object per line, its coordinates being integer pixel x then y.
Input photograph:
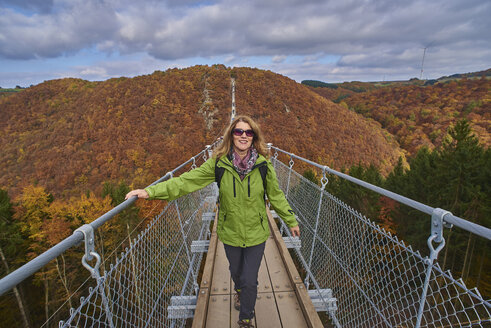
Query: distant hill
{"type": "Point", "coordinates": [71, 135]}
{"type": "Point", "coordinates": [416, 112]}
{"type": "Point", "coordinates": [486, 73]}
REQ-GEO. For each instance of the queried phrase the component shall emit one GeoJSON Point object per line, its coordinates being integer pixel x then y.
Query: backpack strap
{"type": "Point", "coordinates": [263, 169]}
{"type": "Point", "coordinates": [218, 173]}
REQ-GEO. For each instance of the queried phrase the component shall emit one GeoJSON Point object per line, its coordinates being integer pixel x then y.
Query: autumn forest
{"type": "Point", "coordinates": [71, 149]}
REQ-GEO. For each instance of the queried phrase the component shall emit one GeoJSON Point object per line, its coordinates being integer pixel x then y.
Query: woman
{"type": "Point", "coordinates": [242, 222]}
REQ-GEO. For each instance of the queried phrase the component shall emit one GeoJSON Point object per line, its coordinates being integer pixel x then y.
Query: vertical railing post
{"type": "Point", "coordinates": [184, 238]}
{"type": "Point", "coordinates": [288, 186]}
{"type": "Point", "coordinates": [90, 253]}
{"type": "Point", "coordinates": [437, 237]}
{"type": "Point", "coordinates": [289, 176]}
{"type": "Point", "coordinates": [324, 182]}
{"type": "Point", "coordinates": [210, 153]}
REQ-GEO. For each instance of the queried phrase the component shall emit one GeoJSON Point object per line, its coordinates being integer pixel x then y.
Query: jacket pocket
{"type": "Point", "coordinates": [222, 217]}
{"type": "Point", "coordinates": [261, 217]}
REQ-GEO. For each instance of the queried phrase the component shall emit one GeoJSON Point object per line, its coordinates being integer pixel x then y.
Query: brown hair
{"type": "Point", "coordinates": [257, 142]}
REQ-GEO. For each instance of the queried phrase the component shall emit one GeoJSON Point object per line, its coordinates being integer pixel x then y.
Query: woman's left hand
{"type": "Point", "coordinates": [295, 231]}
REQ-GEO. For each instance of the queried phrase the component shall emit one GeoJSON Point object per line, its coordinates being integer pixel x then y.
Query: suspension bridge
{"type": "Point", "coordinates": [344, 270]}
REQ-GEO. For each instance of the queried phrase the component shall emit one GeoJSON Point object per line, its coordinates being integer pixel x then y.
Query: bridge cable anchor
{"type": "Point", "coordinates": [90, 253]}
{"type": "Point", "coordinates": [437, 224]}
{"type": "Point", "coordinates": [324, 179]}
{"type": "Point", "coordinates": [291, 161]}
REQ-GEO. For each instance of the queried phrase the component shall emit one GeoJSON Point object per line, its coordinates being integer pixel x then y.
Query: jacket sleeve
{"type": "Point", "coordinates": [277, 198]}
{"type": "Point", "coordinates": [185, 183]}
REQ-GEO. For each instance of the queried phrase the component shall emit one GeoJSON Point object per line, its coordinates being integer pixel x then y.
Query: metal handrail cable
{"type": "Point", "coordinates": [449, 218]}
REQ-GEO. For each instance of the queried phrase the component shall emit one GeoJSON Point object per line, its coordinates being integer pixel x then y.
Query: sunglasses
{"type": "Point", "coordinates": [239, 132]}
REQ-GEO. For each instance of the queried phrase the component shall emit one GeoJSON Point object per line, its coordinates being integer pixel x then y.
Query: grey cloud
{"type": "Point", "coordinates": [52, 35]}
{"type": "Point", "coordinates": [370, 35]}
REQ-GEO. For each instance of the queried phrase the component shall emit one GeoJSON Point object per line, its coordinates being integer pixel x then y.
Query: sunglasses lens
{"type": "Point", "coordinates": [239, 132]}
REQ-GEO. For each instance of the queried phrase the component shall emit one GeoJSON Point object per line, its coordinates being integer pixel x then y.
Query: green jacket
{"type": "Point", "coordinates": [242, 219]}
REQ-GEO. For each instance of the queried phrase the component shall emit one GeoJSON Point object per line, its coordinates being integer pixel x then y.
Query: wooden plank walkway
{"type": "Point", "coordinates": [282, 299]}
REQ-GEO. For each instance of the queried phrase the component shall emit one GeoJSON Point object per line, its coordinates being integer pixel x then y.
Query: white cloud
{"type": "Point", "coordinates": [94, 72]}
{"type": "Point", "coordinates": [279, 58]}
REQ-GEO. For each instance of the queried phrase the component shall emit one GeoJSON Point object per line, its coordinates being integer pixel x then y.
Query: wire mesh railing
{"type": "Point", "coordinates": [376, 280]}
{"type": "Point", "coordinates": [136, 291]}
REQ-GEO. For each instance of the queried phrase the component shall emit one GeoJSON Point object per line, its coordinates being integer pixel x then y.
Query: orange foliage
{"type": "Point", "coordinates": [419, 115]}
{"type": "Point", "coordinates": [71, 135]}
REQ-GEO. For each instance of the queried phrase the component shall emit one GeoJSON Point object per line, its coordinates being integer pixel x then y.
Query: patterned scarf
{"type": "Point", "coordinates": [243, 166]}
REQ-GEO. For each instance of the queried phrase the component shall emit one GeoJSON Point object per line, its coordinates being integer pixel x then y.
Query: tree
{"type": "Point", "coordinates": [363, 200]}
{"type": "Point", "coordinates": [463, 173]}
{"type": "Point", "coordinates": [454, 177]}
{"type": "Point", "coordinates": [10, 240]}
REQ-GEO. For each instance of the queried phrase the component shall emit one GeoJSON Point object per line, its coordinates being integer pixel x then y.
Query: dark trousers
{"type": "Point", "coordinates": [244, 268]}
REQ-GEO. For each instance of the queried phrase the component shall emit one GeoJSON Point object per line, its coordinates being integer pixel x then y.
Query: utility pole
{"type": "Point", "coordinates": [423, 61]}
{"type": "Point", "coordinates": [233, 99]}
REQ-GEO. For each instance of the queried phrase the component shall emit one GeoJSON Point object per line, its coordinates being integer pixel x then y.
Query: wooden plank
{"type": "Point", "coordinates": [218, 311]}
{"type": "Point", "coordinates": [206, 278]}
{"type": "Point", "coordinates": [201, 311]}
{"type": "Point", "coordinates": [290, 310]}
{"type": "Point", "coordinates": [266, 311]}
{"type": "Point", "coordinates": [283, 251]}
{"type": "Point", "coordinates": [221, 274]}
{"type": "Point", "coordinates": [264, 282]}
{"type": "Point", "coordinates": [280, 281]}
{"type": "Point", "coordinates": [313, 320]}
{"type": "Point", "coordinates": [305, 302]}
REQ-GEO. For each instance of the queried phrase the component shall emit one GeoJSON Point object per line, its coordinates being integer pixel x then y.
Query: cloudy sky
{"type": "Point", "coordinates": [331, 41]}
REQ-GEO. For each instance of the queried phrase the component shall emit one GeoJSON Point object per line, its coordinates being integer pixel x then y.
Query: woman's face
{"type": "Point", "coordinates": [243, 142]}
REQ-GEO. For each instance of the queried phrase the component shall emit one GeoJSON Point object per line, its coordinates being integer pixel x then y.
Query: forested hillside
{"type": "Point", "coordinates": [70, 135]}
{"type": "Point", "coordinates": [419, 115]}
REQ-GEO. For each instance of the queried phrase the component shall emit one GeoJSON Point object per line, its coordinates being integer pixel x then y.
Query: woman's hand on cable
{"type": "Point", "coordinates": [295, 231]}
{"type": "Point", "coordinates": [140, 193]}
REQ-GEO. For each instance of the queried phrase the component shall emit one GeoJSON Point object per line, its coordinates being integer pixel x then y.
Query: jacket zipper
{"type": "Point", "coordinates": [234, 188]}
{"type": "Point", "coordinates": [249, 186]}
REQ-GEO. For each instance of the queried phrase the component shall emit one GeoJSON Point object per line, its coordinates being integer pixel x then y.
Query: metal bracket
{"type": "Point", "coordinates": [324, 301]}
{"type": "Point", "coordinates": [292, 242]}
{"type": "Point", "coordinates": [182, 307]}
{"type": "Point", "coordinates": [437, 223]}
{"type": "Point", "coordinates": [88, 232]}
{"type": "Point", "coordinates": [200, 246]}
{"type": "Point", "coordinates": [207, 217]}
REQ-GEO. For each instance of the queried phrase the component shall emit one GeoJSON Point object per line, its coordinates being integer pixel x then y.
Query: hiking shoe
{"type": "Point", "coordinates": [245, 323]}
{"type": "Point", "coordinates": [237, 300]}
